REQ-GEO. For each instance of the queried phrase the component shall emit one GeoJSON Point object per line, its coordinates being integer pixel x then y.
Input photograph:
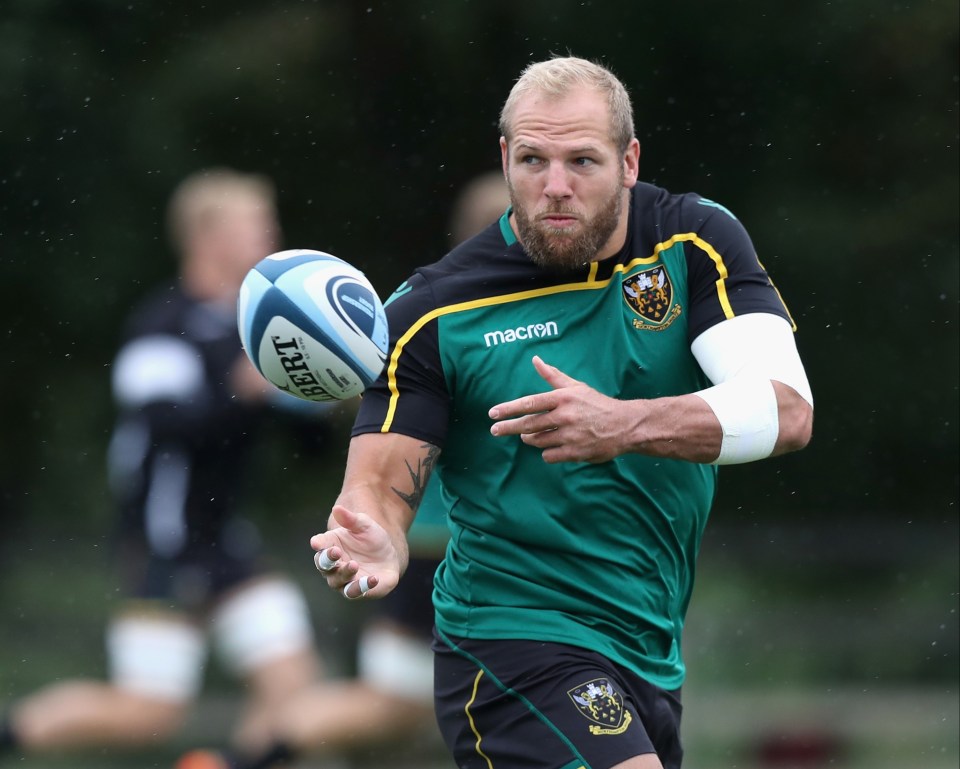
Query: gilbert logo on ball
{"type": "Point", "coordinates": [313, 325]}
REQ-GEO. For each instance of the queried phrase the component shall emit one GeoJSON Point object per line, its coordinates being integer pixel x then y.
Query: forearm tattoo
{"type": "Point", "coordinates": [419, 477]}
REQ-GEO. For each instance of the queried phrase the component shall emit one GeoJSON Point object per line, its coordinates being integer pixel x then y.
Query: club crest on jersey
{"type": "Point", "coordinates": [599, 702]}
{"type": "Point", "coordinates": [650, 295]}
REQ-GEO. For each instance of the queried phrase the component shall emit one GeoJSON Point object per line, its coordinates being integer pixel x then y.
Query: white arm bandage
{"type": "Point", "coordinates": [742, 356]}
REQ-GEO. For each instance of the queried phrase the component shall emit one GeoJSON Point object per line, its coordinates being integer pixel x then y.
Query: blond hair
{"type": "Point", "coordinates": [556, 77]}
{"type": "Point", "coordinates": [200, 197]}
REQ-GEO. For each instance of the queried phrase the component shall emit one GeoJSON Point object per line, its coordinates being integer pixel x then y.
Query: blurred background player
{"type": "Point", "coordinates": [392, 697]}
{"type": "Point", "coordinates": [189, 404]}
{"type": "Point", "coordinates": [482, 201]}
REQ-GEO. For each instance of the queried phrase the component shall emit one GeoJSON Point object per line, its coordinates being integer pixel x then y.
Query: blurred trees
{"type": "Point", "coordinates": [830, 129]}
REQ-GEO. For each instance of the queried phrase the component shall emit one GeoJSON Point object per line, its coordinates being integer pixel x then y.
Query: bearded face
{"type": "Point", "coordinates": [567, 248]}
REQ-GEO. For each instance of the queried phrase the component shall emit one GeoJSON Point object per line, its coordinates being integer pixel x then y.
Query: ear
{"type": "Point", "coordinates": [631, 164]}
{"type": "Point", "coordinates": [504, 156]}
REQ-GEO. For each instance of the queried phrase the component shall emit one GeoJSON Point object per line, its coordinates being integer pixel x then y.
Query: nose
{"type": "Point", "coordinates": [558, 182]}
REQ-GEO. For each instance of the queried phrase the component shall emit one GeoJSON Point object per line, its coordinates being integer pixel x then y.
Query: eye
{"type": "Point", "coordinates": [530, 160]}
{"type": "Point", "coordinates": [583, 162]}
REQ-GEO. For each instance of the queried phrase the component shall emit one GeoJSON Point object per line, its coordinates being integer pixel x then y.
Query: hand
{"type": "Point", "coordinates": [356, 555]}
{"type": "Point", "coordinates": [571, 423]}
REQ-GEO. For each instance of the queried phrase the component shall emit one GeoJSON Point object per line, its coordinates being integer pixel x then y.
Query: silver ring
{"type": "Point", "coordinates": [323, 562]}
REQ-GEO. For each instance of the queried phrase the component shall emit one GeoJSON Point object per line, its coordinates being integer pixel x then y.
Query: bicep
{"type": "Point", "coordinates": [386, 476]}
{"type": "Point", "coordinates": [757, 344]}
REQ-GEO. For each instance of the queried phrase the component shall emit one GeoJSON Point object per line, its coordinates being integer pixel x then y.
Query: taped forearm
{"type": "Point", "coordinates": [746, 408]}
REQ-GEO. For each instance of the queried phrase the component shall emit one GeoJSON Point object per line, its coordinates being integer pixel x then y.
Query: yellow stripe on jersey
{"type": "Point", "coordinates": [692, 237]}
{"type": "Point", "coordinates": [589, 285]}
{"type": "Point", "coordinates": [717, 260]}
{"type": "Point", "coordinates": [786, 309]}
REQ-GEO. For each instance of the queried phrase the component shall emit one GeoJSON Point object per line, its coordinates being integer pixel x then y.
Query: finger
{"type": "Point", "coordinates": [557, 454]}
{"type": "Point", "coordinates": [533, 404]}
{"type": "Point", "coordinates": [531, 424]}
{"type": "Point", "coordinates": [324, 561]}
{"type": "Point", "coordinates": [553, 376]}
{"type": "Point", "coordinates": [545, 439]}
{"type": "Point", "coordinates": [359, 588]}
{"type": "Point", "coordinates": [529, 404]}
{"type": "Point", "coordinates": [346, 518]}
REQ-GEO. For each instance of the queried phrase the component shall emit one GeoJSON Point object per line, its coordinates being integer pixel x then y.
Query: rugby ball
{"type": "Point", "coordinates": [313, 325]}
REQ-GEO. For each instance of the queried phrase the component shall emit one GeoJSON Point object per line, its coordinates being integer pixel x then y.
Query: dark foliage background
{"type": "Point", "coordinates": [830, 128]}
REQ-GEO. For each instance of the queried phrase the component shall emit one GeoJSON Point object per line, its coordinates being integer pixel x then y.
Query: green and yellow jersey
{"type": "Point", "coordinates": [596, 555]}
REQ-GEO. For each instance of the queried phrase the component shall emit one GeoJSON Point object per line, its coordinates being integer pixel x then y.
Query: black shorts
{"type": "Point", "coordinates": [535, 705]}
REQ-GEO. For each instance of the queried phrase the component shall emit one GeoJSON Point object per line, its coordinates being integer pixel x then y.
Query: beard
{"type": "Point", "coordinates": [558, 249]}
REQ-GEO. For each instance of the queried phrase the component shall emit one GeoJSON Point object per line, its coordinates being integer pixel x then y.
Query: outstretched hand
{"type": "Point", "coordinates": [356, 555]}
{"type": "Point", "coordinates": [570, 423]}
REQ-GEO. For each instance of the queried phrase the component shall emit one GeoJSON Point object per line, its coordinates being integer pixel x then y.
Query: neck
{"type": "Point", "coordinates": [619, 236]}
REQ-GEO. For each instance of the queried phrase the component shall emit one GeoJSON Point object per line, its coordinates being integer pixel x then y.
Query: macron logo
{"type": "Point", "coordinates": [533, 331]}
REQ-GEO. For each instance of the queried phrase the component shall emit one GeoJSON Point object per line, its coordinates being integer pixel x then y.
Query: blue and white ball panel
{"type": "Point", "coordinates": [301, 365]}
{"type": "Point", "coordinates": [345, 307]}
{"type": "Point", "coordinates": [252, 291]}
{"type": "Point", "coordinates": [273, 266]}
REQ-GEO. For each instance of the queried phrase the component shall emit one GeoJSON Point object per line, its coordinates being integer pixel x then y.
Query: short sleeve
{"type": "Point", "coordinates": [726, 278]}
{"type": "Point", "coordinates": [410, 396]}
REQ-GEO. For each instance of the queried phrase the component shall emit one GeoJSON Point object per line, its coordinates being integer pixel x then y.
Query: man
{"type": "Point", "coordinates": [575, 374]}
{"type": "Point", "coordinates": [391, 699]}
{"type": "Point", "coordinates": [188, 404]}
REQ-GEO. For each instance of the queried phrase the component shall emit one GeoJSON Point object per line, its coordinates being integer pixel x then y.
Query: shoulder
{"type": "Point", "coordinates": [486, 257]}
{"type": "Point", "coordinates": [660, 215]}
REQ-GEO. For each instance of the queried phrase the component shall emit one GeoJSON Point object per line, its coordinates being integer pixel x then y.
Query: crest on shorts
{"type": "Point", "coordinates": [650, 295]}
{"type": "Point", "coordinates": [599, 702]}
